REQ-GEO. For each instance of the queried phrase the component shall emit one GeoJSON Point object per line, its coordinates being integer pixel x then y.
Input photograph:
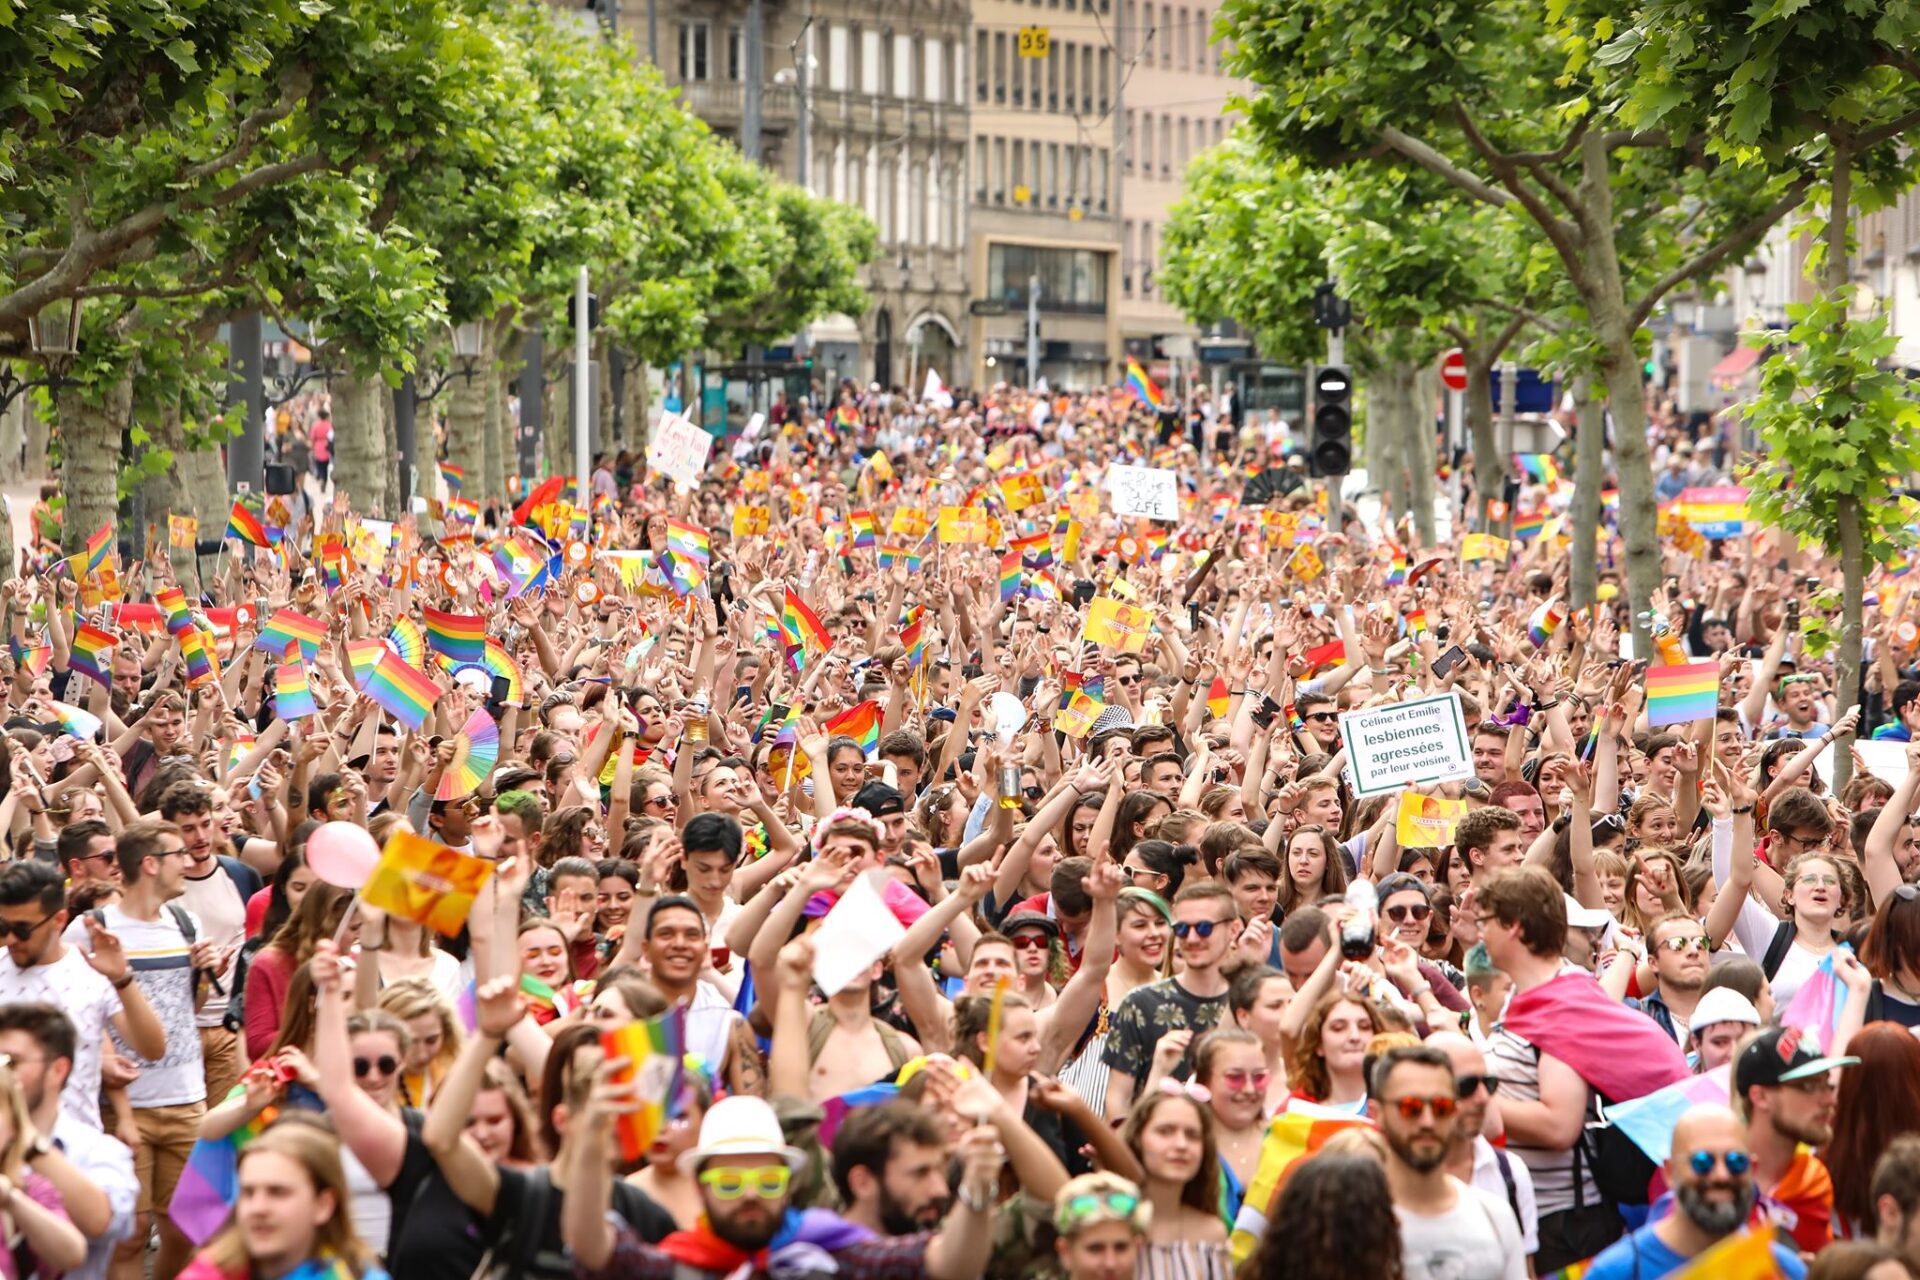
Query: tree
{"type": "Point", "coordinates": [1502, 100]}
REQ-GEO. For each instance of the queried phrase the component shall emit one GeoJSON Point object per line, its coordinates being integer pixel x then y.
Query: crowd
{"type": "Point", "coordinates": [880, 857]}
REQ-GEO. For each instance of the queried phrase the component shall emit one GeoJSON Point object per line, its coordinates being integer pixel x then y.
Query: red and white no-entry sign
{"type": "Point", "coordinates": [1453, 370]}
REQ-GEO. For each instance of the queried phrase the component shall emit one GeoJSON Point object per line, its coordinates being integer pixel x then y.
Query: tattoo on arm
{"type": "Point", "coordinates": [745, 1073]}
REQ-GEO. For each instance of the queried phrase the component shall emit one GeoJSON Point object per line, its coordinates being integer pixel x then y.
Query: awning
{"type": "Point", "coordinates": [1735, 364]}
{"type": "Point", "coordinates": [834, 328]}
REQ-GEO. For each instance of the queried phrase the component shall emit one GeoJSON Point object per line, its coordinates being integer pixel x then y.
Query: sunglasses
{"type": "Point", "coordinates": [386, 1064]}
{"type": "Point", "coordinates": [1204, 928]}
{"type": "Point", "coordinates": [1406, 911]}
{"type": "Point", "coordinates": [1465, 1087]}
{"type": "Point", "coordinates": [665, 802]}
{"type": "Point", "coordinates": [1321, 716]}
{"type": "Point", "coordinates": [1128, 679]}
{"type": "Point", "coordinates": [20, 929]}
{"type": "Point", "coordinates": [1084, 1206]}
{"type": "Point", "coordinates": [1737, 1163]}
{"type": "Point", "coordinates": [1238, 1079]}
{"type": "Point", "coordinates": [1686, 942]}
{"type": "Point", "coordinates": [1033, 793]}
{"type": "Point", "coordinates": [1030, 942]}
{"type": "Point", "coordinates": [730, 1184]}
{"type": "Point", "coordinates": [1411, 1107]}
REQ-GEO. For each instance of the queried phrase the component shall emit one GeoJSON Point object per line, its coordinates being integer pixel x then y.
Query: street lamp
{"type": "Point", "coordinates": [466, 347]}
{"type": "Point", "coordinates": [53, 334]}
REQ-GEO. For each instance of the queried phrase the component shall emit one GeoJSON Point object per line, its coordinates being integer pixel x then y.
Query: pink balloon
{"type": "Point", "coordinates": [342, 853]}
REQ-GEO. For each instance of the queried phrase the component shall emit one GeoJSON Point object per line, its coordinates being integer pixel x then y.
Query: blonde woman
{"type": "Point", "coordinates": [292, 1210]}
{"type": "Point", "coordinates": [31, 1212]}
{"type": "Point", "coordinates": [433, 1032]}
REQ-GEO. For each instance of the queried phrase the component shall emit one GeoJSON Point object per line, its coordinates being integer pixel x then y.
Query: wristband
{"type": "Point", "coordinates": [123, 982]}
{"type": "Point", "coordinates": [1745, 808]}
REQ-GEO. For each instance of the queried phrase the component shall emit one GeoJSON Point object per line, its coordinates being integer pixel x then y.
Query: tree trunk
{"type": "Point", "coordinates": [36, 431]}
{"type": "Point", "coordinates": [398, 503]}
{"type": "Point", "coordinates": [633, 410]}
{"type": "Point", "coordinates": [1420, 444]}
{"type": "Point", "coordinates": [1852, 549]}
{"type": "Point", "coordinates": [492, 479]}
{"type": "Point", "coordinates": [90, 438]}
{"type": "Point", "coordinates": [359, 442]}
{"type": "Point", "coordinates": [166, 494]}
{"type": "Point", "coordinates": [1489, 468]}
{"type": "Point", "coordinates": [467, 418]}
{"type": "Point", "coordinates": [603, 397]}
{"type": "Point", "coordinates": [203, 479]}
{"type": "Point", "coordinates": [1589, 475]}
{"type": "Point", "coordinates": [13, 432]}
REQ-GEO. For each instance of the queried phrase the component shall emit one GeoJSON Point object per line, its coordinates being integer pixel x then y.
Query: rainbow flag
{"type": "Point", "coordinates": [286, 628]}
{"type": "Point", "coordinates": [92, 652]}
{"type": "Point", "coordinates": [457, 637]}
{"type": "Point", "coordinates": [456, 477]}
{"type": "Point", "coordinates": [689, 550]}
{"type": "Point", "coordinates": [209, 1183]}
{"type": "Point", "coordinates": [1218, 699]}
{"type": "Point", "coordinates": [1296, 1133]}
{"type": "Point", "coordinates": [409, 641]}
{"type": "Point", "coordinates": [405, 692]}
{"type": "Point", "coordinates": [1528, 525]}
{"type": "Point", "coordinates": [913, 635]}
{"type": "Point", "coordinates": [1009, 576]}
{"type": "Point", "coordinates": [1546, 620]}
{"type": "Point", "coordinates": [863, 529]}
{"type": "Point", "coordinates": [1142, 386]}
{"type": "Point", "coordinates": [518, 563]}
{"type": "Point", "coordinates": [1036, 550]}
{"type": "Point", "coordinates": [363, 656]}
{"type": "Point", "coordinates": [1682, 694]}
{"type": "Point", "coordinates": [173, 602]}
{"type": "Point", "coordinates": [34, 659]}
{"type": "Point", "coordinates": [1540, 467]}
{"type": "Point", "coordinates": [656, 1051]}
{"type": "Point", "coordinates": [83, 725]}
{"type": "Point", "coordinates": [861, 723]}
{"type": "Point", "coordinates": [98, 546]}
{"type": "Point", "coordinates": [292, 696]}
{"type": "Point", "coordinates": [501, 664]}
{"type": "Point", "coordinates": [244, 525]}
{"type": "Point", "coordinates": [787, 716]}
{"type": "Point", "coordinates": [801, 630]}
{"type": "Point", "coordinates": [200, 667]}
{"type": "Point", "coordinates": [905, 555]}
{"type": "Point", "coordinates": [1416, 623]}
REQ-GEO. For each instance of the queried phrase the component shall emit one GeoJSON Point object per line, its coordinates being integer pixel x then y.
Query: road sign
{"type": "Point", "coordinates": [1034, 42]}
{"type": "Point", "coordinates": [1453, 370]}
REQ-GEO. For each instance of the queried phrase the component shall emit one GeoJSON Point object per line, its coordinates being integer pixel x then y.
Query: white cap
{"type": "Point", "coordinates": [741, 1125]}
{"type": "Point", "coordinates": [1723, 1004]}
{"type": "Point", "coordinates": [1579, 917]}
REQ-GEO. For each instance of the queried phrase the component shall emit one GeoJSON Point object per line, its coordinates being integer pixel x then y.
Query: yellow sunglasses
{"type": "Point", "coordinates": [730, 1184]}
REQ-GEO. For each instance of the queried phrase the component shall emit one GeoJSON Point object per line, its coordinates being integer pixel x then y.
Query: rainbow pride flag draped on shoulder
{"type": "Point", "coordinates": [209, 1184]}
{"type": "Point", "coordinates": [1293, 1135]}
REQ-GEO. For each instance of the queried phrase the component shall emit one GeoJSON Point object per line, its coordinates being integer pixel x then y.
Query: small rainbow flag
{"type": "Point", "coordinates": [246, 526]}
{"type": "Point", "coordinates": [1416, 623]}
{"type": "Point", "coordinates": [405, 692]}
{"type": "Point", "coordinates": [905, 555]}
{"type": "Point", "coordinates": [1682, 694]}
{"type": "Point", "coordinates": [74, 722]}
{"type": "Point", "coordinates": [457, 637]}
{"type": "Point", "coordinates": [34, 659]}
{"type": "Point", "coordinates": [655, 1051]}
{"type": "Point", "coordinates": [1528, 525]}
{"type": "Point", "coordinates": [863, 529]}
{"type": "Point", "coordinates": [1293, 1135]}
{"type": "Point", "coordinates": [200, 668]}
{"type": "Point", "coordinates": [1142, 386]}
{"type": "Point", "coordinates": [861, 723]}
{"type": "Point", "coordinates": [689, 550]}
{"type": "Point", "coordinates": [1547, 619]}
{"type": "Point", "coordinates": [1540, 467]}
{"type": "Point", "coordinates": [287, 628]}
{"type": "Point", "coordinates": [1218, 699]}
{"type": "Point", "coordinates": [456, 477]}
{"type": "Point", "coordinates": [1036, 550]}
{"type": "Point", "coordinates": [801, 630]}
{"type": "Point", "coordinates": [1009, 576]}
{"type": "Point", "coordinates": [518, 563]}
{"type": "Point", "coordinates": [173, 602]}
{"type": "Point", "coordinates": [363, 656]}
{"type": "Point", "coordinates": [913, 636]}
{"type": "Point", "coordinates": [292, 696]}
{"type": "Point", "coordinates": [92, 652]}
{"type": "Point", "coordinates": [98, 546]}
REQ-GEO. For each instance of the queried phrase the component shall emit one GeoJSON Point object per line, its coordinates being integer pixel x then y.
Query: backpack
{"type": "Point", "coordinates": [511, 1253]}
{"type": "Point", "coordinates": [1504, 1163]}
{"type": "Point", "coordinates": [820, 1030]}
{"type": "Point", "coordinates": [1778, 948]}
{"type": "Point", "coordinates": [1621, 1170]}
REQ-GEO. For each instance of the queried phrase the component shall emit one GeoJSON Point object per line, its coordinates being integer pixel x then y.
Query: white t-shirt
{"type": "Point", "coordinates": [107, 1164]}
{"type": "Point", "coordinates": [71, 985]}
{"type": "Point", "coordinates": [1477, 1240]}
{"type": "Point", "coordinates": [221, 913]}
{"type": "Point", "coordinates": [158, 953]}
{"type": "Point", "coordinates": [1487, 1177]}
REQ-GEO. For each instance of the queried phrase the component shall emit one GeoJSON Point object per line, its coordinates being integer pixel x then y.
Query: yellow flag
{"type": "Point", "coordinates": [963, 524]}
{"type": "Point", "coordinates": [908, 522]}
{"type": "Point", "coordinates": [1306, 562]}
{"type": "Point", "coordinates": [1426, 822]}
{"type": "Point", "coordinates": [1022, 490]}
{"type": "Point", "coordinates": [1119, 625]}
{"type": "Point", "coordinates": [1077, 717]}
{"type": "Point", "coordinates": [1070, 546]}
{"type": "Point", "coordinates": [426, 882]}
{"type": "Point", "coordinates": [751, 520]}
{"type": "Point", "coordinates": [1747, 1256]}
{"type": "Point", "coordinates": [1482, 546]}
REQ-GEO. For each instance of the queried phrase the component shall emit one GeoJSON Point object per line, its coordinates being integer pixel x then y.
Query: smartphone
{"type": "Point", "coordinates": [1264, 713]}
{"type": "Point", "coordinates": [1447, 661]}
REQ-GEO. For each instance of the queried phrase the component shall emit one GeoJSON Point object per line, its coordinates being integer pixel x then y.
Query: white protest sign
{"type": "Point", "coordinates": [1885, 759]}
{"type": "Point", "coordinates": [679, 450]}
{"type": "Point", "coordinates": [1143, 491]}
{"type": "Point", "coordinates": [754, 424]}
{"type": "Point", "coordinates": [859, 930]}
{"type": "Point", "coordinates": [1396, 746]}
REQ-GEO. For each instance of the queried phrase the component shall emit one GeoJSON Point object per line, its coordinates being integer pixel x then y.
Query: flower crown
{"type": "Point", "coordinates": [842, 818]}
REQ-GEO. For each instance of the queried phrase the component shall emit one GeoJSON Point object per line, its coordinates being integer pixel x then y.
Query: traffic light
{"type": "Point", "coordinates": [1331, 453]}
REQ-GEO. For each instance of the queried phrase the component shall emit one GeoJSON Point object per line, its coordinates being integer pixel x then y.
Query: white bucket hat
{"type": "Point", "coordinates": [742, 1125]}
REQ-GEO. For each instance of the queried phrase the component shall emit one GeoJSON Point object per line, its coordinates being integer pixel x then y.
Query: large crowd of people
{"type": "Point", "coordinates": [878, 856]}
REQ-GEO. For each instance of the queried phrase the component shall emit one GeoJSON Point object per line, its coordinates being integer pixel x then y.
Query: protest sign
{"type": "Point", "coordinates": [426, 882]}
{"type": "Point", "coordinates": [859, 930]}
{"type": "Point", "coordinates": [1143, 491]}
{"type": "Point", "coordinates": [679, 449]}
{"type": "Point", "coordinates": [1403, 743]}
{"type": "Point", "coordinates": [1426, 822]}
{"type": "Point", "coordinates": [1122, 626]}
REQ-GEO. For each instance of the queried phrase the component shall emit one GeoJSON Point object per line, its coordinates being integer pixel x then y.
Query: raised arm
{"type": "Point", "coordinates": [1880, 866]}
{"type": "Point", "coordinates": [374, 1134]}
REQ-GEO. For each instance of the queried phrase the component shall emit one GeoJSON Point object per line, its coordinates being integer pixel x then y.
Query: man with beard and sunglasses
{"type": "Point", "coordinates": [1448, 1228]}
{"type": "Point", "coordinates": [1711, 1172]}
{"type": "Point", "coordinates": [1472, 1158]}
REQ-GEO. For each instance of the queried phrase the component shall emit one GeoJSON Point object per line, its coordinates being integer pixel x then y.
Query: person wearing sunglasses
{"type": "Point", "coordinates": [1447, 1227]}
{"type": "Point", "coordinates": [1680, 952]}
{"type": "Point", "coordinates": [1711, 1171]}
{"type": "Point", "coordinates": [1229, 1063]}
{"type": "Point", "coordinates": [1205, 923]}
{"type": "Point", "coordinates": [1472, 1158]}
{"type": "Point", "coordinates": [1100, 1219]}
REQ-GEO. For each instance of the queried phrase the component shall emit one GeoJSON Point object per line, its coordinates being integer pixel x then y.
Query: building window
{"type": "Point", "coordinates": [1166, 146]}
{"type": "Point", "coordinates": [1126, 259]}
{"type": "Point", "coordinates": [1000, 68]}
{"type": "Point", "coordinates": [1073, 175]}
{"type": "Point", "coordinates": [1071, 280]}
{"type": "Point", "coordinates": [837, 58]}
{"type": "Point", "coordinates": [1017, 72]}
{"type": "Point", "coordinates": [1086, 79]}
{"type": "Point", "coordinates": [1053, 175]}
{"type": "Point", "coordinates": [1146, 144]}
{"type": "Point", "coordinates": [1183, 39]}
{"type": "Point", "coordinates": [1127, 142]}
{"type": "Point", "coordinates": [1106, 73]}
{"type": "Point", "coordinates": [885, 219]}
{"type": "Point", "coordinates": [1053, 81]}
{"type": "Point", "coordinates": [1166, 35]}
{"type": "Point", "coordinates": [1103, 178]}
{"type": "Point", "coordinates": [871, 56]}
{"type": "Point", "coordinates": [736, 60]}
{"type": "Point", "coordinates": [1000, 171]}
{"type": "Point", "coordinates": [1180, 136]}
{"type": "Point", "coordinates": [906, 62]}
{"type": "Point", "coordinates": [695, 40]}
{"type": "Point", "coordinates": [1146, 260]}
{"type": "Point", "coordinates": [979, 170]}
{"type": "Point", "coordinates": [1019, 175]}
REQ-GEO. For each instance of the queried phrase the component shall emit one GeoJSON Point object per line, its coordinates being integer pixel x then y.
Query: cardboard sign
{"type": "Point", "coordinates": [1427, 822]}
{"type": "Point", "coordinates": [679, 449]}
{"type": "Point", "coordinates": [426, 882]}
{"type": "Point", "coordinates": [1118, 625]}
{"type": "Point", "coordinates": [1404, 743]}
{"type": "Point", "coordinates": [1143, 491]}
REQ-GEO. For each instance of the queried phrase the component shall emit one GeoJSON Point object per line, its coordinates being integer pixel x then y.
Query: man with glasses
{"type": "Point", "coordinates": [1472, 1158]}
{"type": "Point", "coordinates": [1205, 924]}
{"type": "Point", "coordinates": [94, 986]}
{"type": "Point", "coordinates": [86, 853]}
{"type": "Point", "coordinates": [168, 1096]}
{"type": "Point", "coordinates": [1447, 1227]}
{"type": "Point", "coordinates": [1679, 950]}
{"type": "Point", "coordinates": [1711, 1172]}
{"type": "Point", "coordinates": [1785, 1089]}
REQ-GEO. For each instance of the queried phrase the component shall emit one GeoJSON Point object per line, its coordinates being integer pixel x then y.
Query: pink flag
{"type": "Point", "coordinates": [1619, 1051]}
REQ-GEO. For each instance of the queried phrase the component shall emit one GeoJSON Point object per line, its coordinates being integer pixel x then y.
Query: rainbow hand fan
{"type": "Point", "coordinates": [475, 750]}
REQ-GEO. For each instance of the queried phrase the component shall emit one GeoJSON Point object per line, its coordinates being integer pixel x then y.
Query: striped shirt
{"type": "Point", "coordinates": [158, 953]}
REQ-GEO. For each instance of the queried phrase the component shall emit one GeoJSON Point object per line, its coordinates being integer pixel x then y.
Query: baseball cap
{"type": "Point", "coordinates": [879, 799]}
{"type": "Point", "coordinates": [1723, 1004]}
{"type": "Point", "coordinates": [1030, 920]}
{"type": "Point", "coordinates": [1781, 1056]}
{"type": "Point", "coordinates": [1579, 917]}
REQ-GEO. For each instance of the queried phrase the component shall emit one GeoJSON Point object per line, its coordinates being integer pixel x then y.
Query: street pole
{"type": "Point", "coordinates": [755, 37]}
{"type": "Point", "coordinates": [801, 58]}
{"type": "Point", "coordinates": [1337, 356]}
{"type": "Point", "coordinates": [1509, 390]}
{"type": "Point", "coordinates": [1456, 432]}
{"type": "Point", "coordinates": [1033, 332]}
{"type": "Point", "coordinates": [533, 406]}
{"type": "Point", "coordinates": [403, 439]}
{"type": "Point", "coordinates": [245, 454]}
{"type": "Point", "coordinates": [582, 386]}
{"type": "Point", "coordinates": [653, 32]}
